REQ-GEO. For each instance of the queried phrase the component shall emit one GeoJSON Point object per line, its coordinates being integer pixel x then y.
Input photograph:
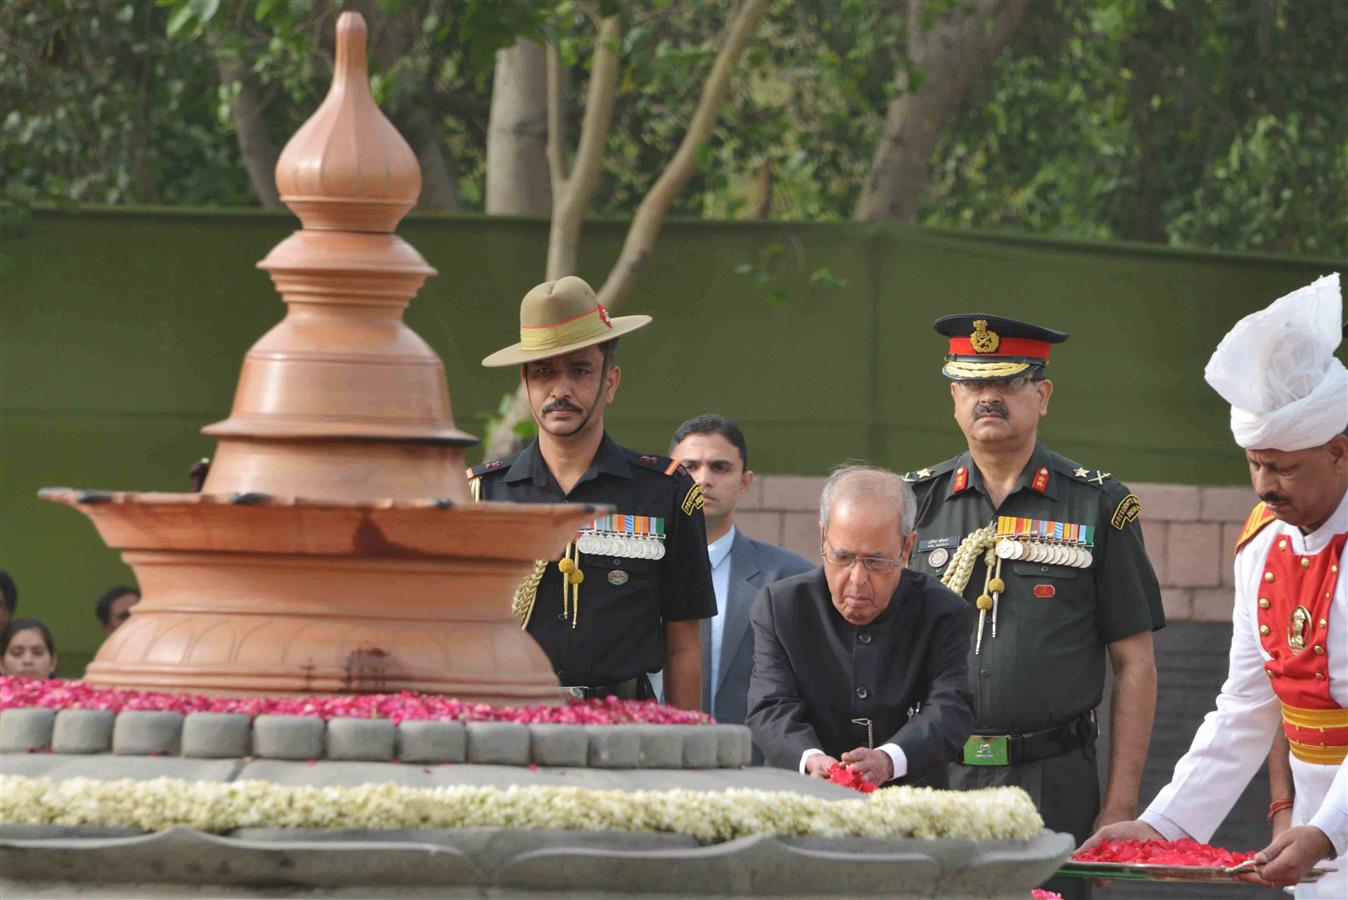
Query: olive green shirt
{"type": "Point", "coordinates": [1046, 665]}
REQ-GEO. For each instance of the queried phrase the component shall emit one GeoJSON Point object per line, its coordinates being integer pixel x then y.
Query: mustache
{"type": "Point", "coordinates": [561, 405]}
{"type": "Point", "coordinates": [994, 408]}
{"type": "Point", "coordinates": [1275, 498]}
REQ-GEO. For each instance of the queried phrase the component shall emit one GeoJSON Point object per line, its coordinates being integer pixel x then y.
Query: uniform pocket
{"type": "Point", "coordinates": [1045, 591]}
{"type": "Point", "coordinates": [616, 577]}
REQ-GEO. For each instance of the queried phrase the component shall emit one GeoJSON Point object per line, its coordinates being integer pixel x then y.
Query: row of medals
{"type": "Point", "coordinates": [1038, 551]}
{"type": "Point", "coordinates": [617, 544]}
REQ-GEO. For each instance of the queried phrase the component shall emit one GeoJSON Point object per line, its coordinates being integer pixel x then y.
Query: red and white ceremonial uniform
{"type": "Point", "coordinates": [1289, 670]}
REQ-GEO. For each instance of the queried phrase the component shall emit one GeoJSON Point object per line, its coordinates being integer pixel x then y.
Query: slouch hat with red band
{"type": "Point", "coordinates": [986, 348]}
{"type": "Point", "coordinates": [560, 316]}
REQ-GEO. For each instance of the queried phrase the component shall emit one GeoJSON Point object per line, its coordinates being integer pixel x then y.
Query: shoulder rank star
{"type": "Point", "coordinates": [1082, 473]}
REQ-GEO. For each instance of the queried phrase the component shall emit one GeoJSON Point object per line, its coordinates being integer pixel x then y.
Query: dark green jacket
{"type": "Point", "coordinates": [1046, 664]}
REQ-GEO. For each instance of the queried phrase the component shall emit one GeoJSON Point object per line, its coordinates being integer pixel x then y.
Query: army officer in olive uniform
{"type": "Point", "coordinates": [626, 598]}
{"type": "Point", "coordinates": [1050, 552]}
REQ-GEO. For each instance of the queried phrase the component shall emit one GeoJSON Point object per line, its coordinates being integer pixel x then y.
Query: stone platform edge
{"type": "Point", "coordinates": [206, 735]}
{"type": "Point", "coordinates": [543, 863]}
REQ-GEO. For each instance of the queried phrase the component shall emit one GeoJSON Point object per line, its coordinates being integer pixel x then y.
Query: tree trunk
{"type": "Point", "coordinates": [572, 193]}
{"type": "Point", "coordinates": [518, 182]}
{"type": "Point", "coordinates": [655, 205]}
{"type": "Point", "coordinates": [951, 54]}
{"type": "Point", "coordinates": [250, 126]}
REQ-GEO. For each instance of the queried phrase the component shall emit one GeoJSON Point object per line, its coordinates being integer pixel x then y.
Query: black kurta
{"type": "Point", "coordinates": [906, 671]}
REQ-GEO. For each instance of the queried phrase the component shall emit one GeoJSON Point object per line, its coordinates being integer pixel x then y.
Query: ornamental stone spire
{"type": "Point", "coordinates": [341, 400]}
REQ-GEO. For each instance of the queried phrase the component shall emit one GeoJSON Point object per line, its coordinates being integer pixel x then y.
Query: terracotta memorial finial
{"type": "Point", "coordinates": [348, 168]}
{"type": "Point", "coordinates": [342, 399]}
{"type": "Point", "coordinates": [333, 546]}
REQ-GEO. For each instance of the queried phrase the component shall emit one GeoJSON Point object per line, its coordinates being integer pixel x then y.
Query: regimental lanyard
{"type": "Point", "coordinates": [624, 536]}
{"type": "Point", "coordinates": [993, 586]}
{"type": "Point", "coordinates": [572, 576]}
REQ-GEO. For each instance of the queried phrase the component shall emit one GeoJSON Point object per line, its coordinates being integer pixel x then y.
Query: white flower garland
{"type": "Point", "coordinates": [709, 816]}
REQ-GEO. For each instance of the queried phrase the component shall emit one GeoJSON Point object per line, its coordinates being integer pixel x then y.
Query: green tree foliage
{"type": "Point", "coordinates": [1205, 123]}
{"type": "Point", "coordinates": [1215, 124]}
{"type": "Point", "coordinates": [101, 106]}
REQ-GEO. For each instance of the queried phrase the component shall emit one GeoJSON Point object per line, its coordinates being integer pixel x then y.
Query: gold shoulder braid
{"type": "Point", "coordinates": [522, 607]}
{"type": "Point", "coordinates": [961, 565]}
{"type": "Point", "coordinates": [982, 542]}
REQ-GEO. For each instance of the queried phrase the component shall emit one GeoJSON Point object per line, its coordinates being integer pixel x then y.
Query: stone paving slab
{"type": "Point", "coordinates": [324, 773]}
{"type": "Point", "coordinates": [331, 773]}
{"type": "Point", "coordinates": [106, 767]}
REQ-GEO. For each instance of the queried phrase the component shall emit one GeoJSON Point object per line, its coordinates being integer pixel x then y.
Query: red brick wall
{"type": "Point", "coordinates": [1190, 533]}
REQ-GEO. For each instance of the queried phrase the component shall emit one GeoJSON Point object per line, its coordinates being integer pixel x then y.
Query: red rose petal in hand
{"type": "Point", "coordinates": [849, 778]}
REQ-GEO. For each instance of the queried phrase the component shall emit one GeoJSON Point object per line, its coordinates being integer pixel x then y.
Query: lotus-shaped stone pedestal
{"type": "Point", "coordinates": [261, 593]}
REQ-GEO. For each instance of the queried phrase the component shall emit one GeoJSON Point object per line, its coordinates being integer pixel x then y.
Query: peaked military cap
{"type": "Point", "coordinates": [985, 347]}
{"type": "Point", "coordinates": [560, 316]}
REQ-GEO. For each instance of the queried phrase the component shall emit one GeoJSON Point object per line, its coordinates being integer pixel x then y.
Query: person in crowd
{"type": "Point", "coordinates": [860, 662]}
{"type": "Point", "coordinates": [1050, 554]}
{"type": "Point", "coordinates": [114, 607]}
{"type": "Point", "coordinates": [9, 598]}
{"type": "Point", "coordinates": [1289, 645]}
{"type": "Point", "coordinates": [626, 597]}
{"type": "Point", "coordinates": [29, 649]}
{"type": "Point", "coordinates": [713, 451]}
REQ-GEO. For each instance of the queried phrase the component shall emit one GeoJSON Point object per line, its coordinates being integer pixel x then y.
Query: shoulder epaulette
{"type": "Point", "coordinates": [1259, 517]}
{"type": "Point", "coordinates": [1097, 478]}
{"type": "Point", "coordinates": [919, 475]}
{"type": "Point", "coordinates": [662, 463]}
{"type": "Point", "coordinates": [1125, 507]}
{"type": "Point", "coordinates": [479, 471]}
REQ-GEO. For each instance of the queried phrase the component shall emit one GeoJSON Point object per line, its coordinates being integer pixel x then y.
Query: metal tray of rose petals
{"type": "Point", "coordinates": [1154, 872]}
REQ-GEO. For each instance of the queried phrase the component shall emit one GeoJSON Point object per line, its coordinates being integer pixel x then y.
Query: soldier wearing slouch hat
{"type": "Point", "coordinates": [626, 598]}
{"type": "Point", "coordinates": [1050, 553]}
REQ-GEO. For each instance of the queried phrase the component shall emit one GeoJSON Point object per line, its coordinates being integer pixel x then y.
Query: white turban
{"type": "Point", "coordinates": [1278, 371]}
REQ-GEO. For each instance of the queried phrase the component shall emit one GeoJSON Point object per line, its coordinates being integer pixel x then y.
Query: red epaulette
{"type": "Point", "coordinates": [477, 471]}
{"type": "Point", "coordinates": [663, 463]}
{"type": "Point", "coordinates": [1259, 517]}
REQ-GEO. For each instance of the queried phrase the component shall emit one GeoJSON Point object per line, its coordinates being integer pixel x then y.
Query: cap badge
{"type": "Point", "coordinates": [603, 316]}
{"type": "Point", "coordinates": [983, 340]}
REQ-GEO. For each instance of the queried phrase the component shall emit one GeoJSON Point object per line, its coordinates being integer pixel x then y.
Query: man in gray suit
{"type": "Point", "coordinates": [713, 450]}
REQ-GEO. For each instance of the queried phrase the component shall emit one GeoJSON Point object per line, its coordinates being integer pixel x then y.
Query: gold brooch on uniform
{"type": "Point", "coordinates": [983, 340]}
{"type": "Point", "coordinates": [1296, 628]}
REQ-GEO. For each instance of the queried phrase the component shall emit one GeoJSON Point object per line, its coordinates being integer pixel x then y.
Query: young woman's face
{"type": "Point", "coordinates": [27, 655]}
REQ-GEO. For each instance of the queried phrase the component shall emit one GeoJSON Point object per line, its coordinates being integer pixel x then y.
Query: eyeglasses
{"type": "Point", "coordinates": [1000, 385]}
{"type": "Point", "coordinates": [845, 559]}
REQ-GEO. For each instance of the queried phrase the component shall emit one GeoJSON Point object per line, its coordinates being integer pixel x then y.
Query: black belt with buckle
{"type": "Point", "coordinates": [638, 688]}
{"type": "Point", "coordinates": [1012, 749]}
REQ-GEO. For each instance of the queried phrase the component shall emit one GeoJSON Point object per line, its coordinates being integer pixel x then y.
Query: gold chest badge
{"type": "Point", "coordinates": [1297, 623]}
{"type": "Point", "coordinates": [983, 340]}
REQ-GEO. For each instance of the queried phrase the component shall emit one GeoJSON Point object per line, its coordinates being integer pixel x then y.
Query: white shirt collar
{"type": "Point", "coordinates": [1317, 540]}
{"type": "Point", "coordinates": [718, 549]}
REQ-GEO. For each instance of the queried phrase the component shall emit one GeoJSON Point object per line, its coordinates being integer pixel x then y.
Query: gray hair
{"type": "Point", "coordinates": [848, 481]}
